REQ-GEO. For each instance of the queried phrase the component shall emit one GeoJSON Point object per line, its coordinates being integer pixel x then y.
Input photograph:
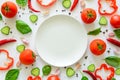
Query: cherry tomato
{"type": "Point", "coordinates": [27, 57]}
{"type": "Point", "coordinates": [9, 9]}
{"type": "Point", "coordinates": [30, 78]}
{"type": "Point", "coordinates": [53, 77]}
{"type": "Point", "coordinates": [88, 15]}
{"type": "Point", "coordinates": [97, 47]}
{"type": "Point", "coordinates": [115, 21]}
{"type": "Point", "coordinates": [37, 78]}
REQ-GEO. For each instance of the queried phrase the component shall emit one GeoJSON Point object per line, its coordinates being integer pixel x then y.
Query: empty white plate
{"type": "Point", "coordinates": [61, 40]}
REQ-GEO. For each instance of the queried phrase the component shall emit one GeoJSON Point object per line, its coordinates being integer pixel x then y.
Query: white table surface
{"type": "Point", "coordinates": [23, 14]}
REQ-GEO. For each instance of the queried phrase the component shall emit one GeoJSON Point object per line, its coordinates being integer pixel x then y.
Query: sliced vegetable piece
{"type": "Point", "coordinates": [12, 74]}
{"type": "Point", "coordinates": [33, 18]}
{"type": "Point", "coordinates": [0, 17]}
{"type": "Point", "coordinates": [5, 30]}
{"type": "Point", "coordinates": [70, 72]}
{"type": "Point", "coordinates": [95, 32]}
{"type": "Point", "coordinates": [103, 21]}
{"type": "Point", "coordinates": [66, 4]}
{"type": "Point", "coordinates": [117, 33]}
{"type": "Point", "coordinates": [20, 48]}
{"type": "Point", "coordinates": [22, 27]}
{"type": "Point", "coordinates": [46, 70]}
{"type": "Point", "coordinates": [91, 68]}
{"type": "Point", "coordinates": [35, 71]}
{"type": "Point", "coordinates": [117, 71]}
{"type": "Point", "coordinates": [21, 2]}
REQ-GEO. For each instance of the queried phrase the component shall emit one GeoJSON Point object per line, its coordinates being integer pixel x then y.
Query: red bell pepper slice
{"type": "Point", "coordinates": [9, 64]}
{"type": "Point", "coordinates": [106, 68]}
{"type": "Point", "coordinates": [46, 5]}
{"type": "Point", "coordinates": [112, 5]}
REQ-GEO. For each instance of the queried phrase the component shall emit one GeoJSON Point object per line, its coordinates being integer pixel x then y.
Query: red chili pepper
{"type": "Point", "coordinates": [30, 6]}
{"type": "Point", "coordinates": [113, 41]}
{"type": "Point", "coordinates": [74, 5]}
{"type": "Point", "coordinates": [91, 74]}
{"type": "Point", "coordinates": [46, 5]}
{"type": "Point", "coordinates": [112, 5]}
{"type": "Point", "coordinates": [9, 64]}
{"type": "Point", "coordinates": [4, 41]}
{"type": "Point", "coordinates": [106, 68]}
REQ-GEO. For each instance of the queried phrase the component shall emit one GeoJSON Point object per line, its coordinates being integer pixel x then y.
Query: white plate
{"type": "Point", "coordinates": [61, 40]}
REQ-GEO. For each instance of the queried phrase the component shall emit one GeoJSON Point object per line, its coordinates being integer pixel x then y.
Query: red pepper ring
{"type": "Point", "coordinates": [10, 58]}
{"type": "Point", "coordinates": [46, 5]}
{"type": "Point", "coordinates": [104, 66]}
{"type": "Point", "coordinates": [113, 5]}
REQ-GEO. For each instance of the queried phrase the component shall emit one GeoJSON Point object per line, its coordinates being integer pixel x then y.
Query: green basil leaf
{"type": "Point", "coordinates": [117, 33]}
{"type": "Point", "coordinates": [21, 2]}
{"type": "Point", "coordinates": [0, 17]}
{"type": "Point", "coordinates": [95, 32]}
{"type": "Point", "coordinates": [12, 74]}
{"type": "Point", "coordinates": [113, 61]}
{"type": "Point", "coordinates": [22, 27]}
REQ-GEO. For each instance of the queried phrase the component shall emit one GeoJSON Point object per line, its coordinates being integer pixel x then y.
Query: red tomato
{"type": "Point", "coordinates": [115, 21]}
{"type": "Point", "coordinates": [9, 9]}
{"type": "Point", "coordinates": [30, 78]}
{"type": "Point", "coordinates": [53, 77]}
{"type": "Point", "coordinates": [88, 15]}
{"type": "Point", "coordinates": [37, 78]}
{"type": "Point", "coordinates": [97, 47]}
{"type": "Point", "coordinates": [27, 57]}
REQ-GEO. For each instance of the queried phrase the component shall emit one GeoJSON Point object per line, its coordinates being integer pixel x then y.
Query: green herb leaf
{"type": "Point", "coordinates": [103, 21]}
{"type": "Point", "coordinates": [22, 27]}
{"type": "Point", "coordinates": [12, 74]}
{"type": "Point", "coordinates": [21, 2]}
{"type": "Point", "coordinates": [113, 61]}
{"type": "Point", "coordinates": [0, 17]}
{"type": "Point", "coordinates": [117, 33]}
{"type": "Point", "coordinates": [95, 32]}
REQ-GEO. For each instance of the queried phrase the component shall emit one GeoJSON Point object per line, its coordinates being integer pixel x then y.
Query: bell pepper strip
{"type": "Point", "coordinates": [4, 41]}
{"type": "Point", "coordinates": [9, 64]}
{"type": "Point", "coordinates": [91, 74]}
{"type": "Point", "coordinates": [75, 2]}
{"type": "Point", "coordinates": [112, 5]}
{"type": "Point", "coordinates": [46, 5]}
{"type": "Point", "coordinates": [106, 68]}
{"type": "Point", "coordinates": [30, 6]}
{"type": "Point", "coordinates": [114, 41]}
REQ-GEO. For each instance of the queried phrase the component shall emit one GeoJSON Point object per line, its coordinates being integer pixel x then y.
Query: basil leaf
{"type": "Point", "coordinates": [95, 32]}
{"type": "Point", "coordinates": [113, 61]}
{"type": "Point", "coordinates": [21, 2]}
{"type": "Point", "coordinates": [0, 17]}
{"type": "Point", "coordinates": [117, 33]}
{"type": "Point", "coordinates": [22, 27]}
{"type": "Point", "coordinates": [12, 74]}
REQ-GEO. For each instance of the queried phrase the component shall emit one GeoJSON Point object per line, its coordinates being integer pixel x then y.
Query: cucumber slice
{"type": "Point", "coordinates": [66, 4]}
{"type": "Point", "coordinates": [91, 67]}
{"type": "Point", "coordinates": [35, 71]}
{"type": "Point", "coordinates": [103, 21]}
{"type": "Point", "coordinates": [5, 30]}
{"type": "Point", "coordinates": [20, 48]}
{"type": "Point", "coordinates": [33, 18]}
{"type": "Point", "coordinates": [70, 72]}
{"type": "Point", "coordinates": [117, 71]}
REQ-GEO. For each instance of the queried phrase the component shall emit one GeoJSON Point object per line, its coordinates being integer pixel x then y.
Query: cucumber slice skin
{"type": "Point", "coordinates": [20, 48]}
{"type": "Point", "coordinates": [5, 30]}
{"type": "Point", "coordinates": [91, 68]}
{"type": "Point", "coordinates": [70, 72]}
{"type": "Point", "coordinates": [103, 21]}
{"type": "Point", "coordinates": [35, 71]}
{"type": "Point", "coordinates": [117, 71]}
{"type": "Point", "coordinates": [33, 18]}
{"type": "Point", "coordinates": [66, 4]}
